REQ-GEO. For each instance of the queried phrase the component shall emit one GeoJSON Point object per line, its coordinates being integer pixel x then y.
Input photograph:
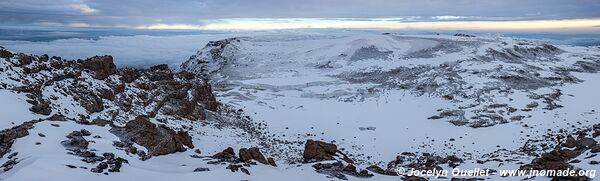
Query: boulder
{"type": "Point", "coordinates": [315, 151]}
{"type": "Point", "coordinates": [247, 155]}
{"type": "Point", "coordinates": [226, 154]}
{"type": "Point", "coordinates": [42, 108]}
{"type": "Point", "coordinates": [75, 143]}
{"type": "Point", "coordinates": [159, 140]}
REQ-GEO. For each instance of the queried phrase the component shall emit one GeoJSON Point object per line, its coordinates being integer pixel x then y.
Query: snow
{"type": "Point", "coordinates": [14, 109]}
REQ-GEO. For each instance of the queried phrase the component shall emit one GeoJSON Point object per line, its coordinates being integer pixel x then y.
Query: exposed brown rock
{"type": "Point", "coordinates": [558, 159]}
{"type": "Point", "coordinates": [318, 151]}
{"type": "Point", "coordinates": [315, 151]}
{"type": "Point", "coordinates": [159, 140]}
{"type": "Point", "coordinates": [8, 136]}
{"type": "Point", "coordinates": [271, 162]}
{"type": "Point", "coordinates": [5, 53]}
{"type": "Point", "coordinates": [57, 117]}
{"type": "Point", "coordinates": [41, 107]}
{"type": "Point", "coordinates": [101, 122]}
{"type": "Point", "coordinates": [160, 72]}
{"type": "Point", "coordinates": [338, 170]}
{"type": "Point", "coordinates": [25, 59]}
{"type": "Point", "coordinates": [102, 66]}
{"type": "Point", "coordinates": [379, 170]}
{"type": "Point", "coordinates": [129, 75]}
{"type": "Point", "coordinates": [204, 93]}
{"type": "Point", "coordinates": [595, 149]}
{"type": "Point", "coordinates": [247, 155]}
{"type": "Point", "coordinates": [226, 154]}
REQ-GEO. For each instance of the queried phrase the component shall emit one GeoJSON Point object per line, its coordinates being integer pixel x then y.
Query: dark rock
{"type": "Point", "coordinates": [337, 169]}
{"type": "Point", "coordinates": [25, 59]}
{"type": "Point", "coordinates": [102, 165]}
{"type": "Point", "coordinates": [350, 168]}
{"type": "Point", "coordinates": [233, 167]}
{"type": "Point", "coordinates": [8, 136]}
{"type": "Point", "coordinates": [80, 133]}
{"type": "Point", "coordinates": [75, 143]}
{"type": "Point", "coordinates": [377, 169]}
{"type": "Point", "coordinates": [102, 66]}
{"type": "Point", "coordinates": [595, 148]}
{"type": "Point", "coordinates": [12, 155]}
{"type": "Point", "coordinates": [159, 140]}
{"type": "Point", "coordinates": [129, 75]}
{"type": "Point", "coordinates": [116, 164]}
{"type": "Point", "coordinates": [5, 53]}
{"type": "Point", "coordinates": [96, 170]}
{"type": "Point", "coordinates": [57, 117]}
{"type": "Point", "coordinates": [226, 154]}
{"type": "Point", "coordinates": [101, 122]}
{"type": "Point", "coordinates": [160, 72]}
{"type": "Point", "coordinates": [160, 67]}
{"type": "Point", "coordinates": [245, 171]}
{"type": "Point", "coordinates": [108, 156]}
{"type": "Point", "coordinates": [201, 169]}
{"type": "Point", "coordinates": [42, 107]}
{"type": "Point", "coordinates": [315, 151]}
{"type": "Point", "coordinates": [94, 104]}
{"type": "Point", "coordinates": [271, 162]}
{"type": "Point", "coordinates": [247, 155]}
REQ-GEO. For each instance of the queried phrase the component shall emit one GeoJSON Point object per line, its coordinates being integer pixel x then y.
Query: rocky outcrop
{"type": "Point", "coordinates": [75, 141]}
{"type": "Point", "coordinates": [159, 140]}
{"type": "Point", "coordinates": [5, 53]}
{"type": "Point", "coordinates": [101, 66]}
{"type": "Point", "coordinates": [565, 152]}
{"type": "Point", "coordinates": [227, 154]}
{"type": "Point", "coordinates": [315, 151]}
{"type": "Point", "coordinates": [247, 155]}
{"type": "Point", "coordinates": [132, 92]}
{"type": "Point", "coordinates": [212, 57]}
{"type": "Point", "coordinates": [129, 75]}
{"type": "Point", "coordinates": [8, 136]}
{"type": "Point", "coordinates": [41, 107]}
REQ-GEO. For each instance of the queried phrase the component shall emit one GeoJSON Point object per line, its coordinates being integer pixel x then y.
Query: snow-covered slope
{"type": "Point", "coordinates": [379, 95]}
{"type": "Point", "coordinates": [299, 106]}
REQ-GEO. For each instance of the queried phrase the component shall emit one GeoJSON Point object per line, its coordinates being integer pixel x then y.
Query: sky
{"type": "Point", "coordinates": [503, 15]}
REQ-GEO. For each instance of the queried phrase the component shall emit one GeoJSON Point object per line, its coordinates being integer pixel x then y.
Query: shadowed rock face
{"type": "Point", "coordinates": [159, 140]}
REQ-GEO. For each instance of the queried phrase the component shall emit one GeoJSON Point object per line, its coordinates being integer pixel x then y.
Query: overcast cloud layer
{"type": "Point", "coordinates": [130, 13]}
